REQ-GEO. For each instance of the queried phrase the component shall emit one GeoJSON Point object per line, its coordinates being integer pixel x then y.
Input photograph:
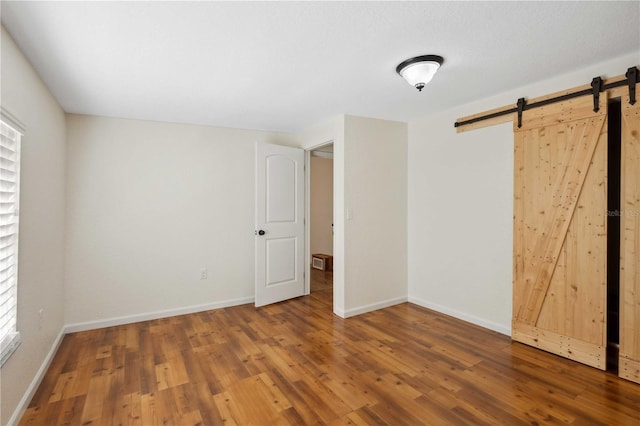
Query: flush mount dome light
{"type": "Point", "coordinates": [420, 70]}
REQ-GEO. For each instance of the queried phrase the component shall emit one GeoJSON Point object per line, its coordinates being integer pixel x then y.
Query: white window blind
{"type": "Point", "coordinates": [9, 197]}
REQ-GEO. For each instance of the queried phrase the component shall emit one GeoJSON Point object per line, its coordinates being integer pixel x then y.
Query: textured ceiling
{"type": "Point", "coordinates": [287, 65]}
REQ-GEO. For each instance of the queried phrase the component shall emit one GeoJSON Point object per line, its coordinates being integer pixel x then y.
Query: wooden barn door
{"type": "Point", "coordinates": [629, 358]}
{"type": "Point", "coordinates": [560, 235]}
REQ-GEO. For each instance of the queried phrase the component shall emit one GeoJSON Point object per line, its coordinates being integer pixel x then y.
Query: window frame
{"type": "Point", "coordinates": [12, 340]}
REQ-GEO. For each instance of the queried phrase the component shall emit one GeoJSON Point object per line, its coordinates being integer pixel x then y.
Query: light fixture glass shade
{"type": "Point", "coordinates": [420, 70]}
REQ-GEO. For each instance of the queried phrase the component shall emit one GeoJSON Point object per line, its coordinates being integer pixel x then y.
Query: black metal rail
{"type": "Point", "coordinates": [597, 86]}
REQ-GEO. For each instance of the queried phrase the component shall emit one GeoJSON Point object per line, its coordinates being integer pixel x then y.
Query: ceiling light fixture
{"type": "Point", "coordinates": [420, 70]}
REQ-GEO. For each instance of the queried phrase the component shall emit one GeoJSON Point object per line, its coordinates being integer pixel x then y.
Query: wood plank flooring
{"type": "Point", "coordinates": [321, 280]}
{"type": "Point", "coordinates": [296, 363]}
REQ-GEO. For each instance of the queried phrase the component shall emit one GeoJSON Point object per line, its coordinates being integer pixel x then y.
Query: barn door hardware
{"type": "Point", "coordinates": [521, 103]}
{"type": "Point", "coordinates": [632, 79]}
{"type": "Point", "coordinates": [597, 86]}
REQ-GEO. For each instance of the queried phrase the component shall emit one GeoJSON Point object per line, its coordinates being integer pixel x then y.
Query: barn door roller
{"type": "Point", "coordinates": [521, 103]}
{"type": "Point", "coordinates": [596, 88]}
{"type": "Point", "coordinates": [632, 79]}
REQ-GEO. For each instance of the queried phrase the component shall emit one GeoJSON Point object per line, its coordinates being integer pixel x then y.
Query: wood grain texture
{"type": "Point", "coordinates": [629, 361]}
{"type": "Point", "coordinates": [559, 299]}
{"type": "Point", "coordinates": [561, 112]}
{"type": "Point", "coordinates": [561, 204]}
{"type": "Point", "coordinates": [296, 363]}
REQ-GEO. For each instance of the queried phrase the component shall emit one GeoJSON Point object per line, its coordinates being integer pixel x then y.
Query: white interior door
{"type": "Point", "coordinates": [279, 223]}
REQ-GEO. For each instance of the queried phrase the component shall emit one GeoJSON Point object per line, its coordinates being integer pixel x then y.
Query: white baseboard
{"type": "Point", "coordinates": [110, 322]}
{"type": "Point", "coordinates": [371, 307]}
{"type": "Point", "coordinates": [500, 328]}
{"type": "Point", "coordinates": [37, 379]}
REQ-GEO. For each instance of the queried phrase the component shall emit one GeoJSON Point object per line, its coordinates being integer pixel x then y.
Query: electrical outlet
{"type": "Point", "coordinates": [40, 318]}
{"type": "Point", "coordinates": [204, 273]}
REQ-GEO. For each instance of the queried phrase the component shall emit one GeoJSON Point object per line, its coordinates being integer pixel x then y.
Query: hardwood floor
{"type": "Point", "coordinates": [321, 280]}
{"type": "Point", "coordinates": [296, 363]}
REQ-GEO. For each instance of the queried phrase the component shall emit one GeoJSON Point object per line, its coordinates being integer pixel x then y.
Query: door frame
{"type": "Point", "coordinates": [307, 208]}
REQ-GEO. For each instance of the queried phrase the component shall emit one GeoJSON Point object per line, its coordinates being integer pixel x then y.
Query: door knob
{"type": "Point", "coordinates": [261, 232]}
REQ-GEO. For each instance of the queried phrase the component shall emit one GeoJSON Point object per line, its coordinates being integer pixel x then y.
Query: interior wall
{"type": "Point", "coordinates": [321, 212]}
{"type": "Point", "coordinates": [460, 204]}
{"type": "Point", "coordinates": [151, 204]}
{"type": "Point", "coordinates": [331, 130]}
{"type": "Point", "coordinates": [42, 222]}
{"type": "Point", "coordinates": [375, 213]}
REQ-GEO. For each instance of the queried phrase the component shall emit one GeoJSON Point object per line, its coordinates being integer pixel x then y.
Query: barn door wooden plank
{"type": "Point", "coordinates": [563, 204]}
{"type": "Point", "coordinates": [518, 222]}
{"type": "Point", "coordinates": [629, 356]}
{"type": "Point", "coordinates": [559, 298]}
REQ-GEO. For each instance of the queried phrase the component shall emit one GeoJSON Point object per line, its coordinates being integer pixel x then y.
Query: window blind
{"type": "Point", "coordinates": [9, 198]}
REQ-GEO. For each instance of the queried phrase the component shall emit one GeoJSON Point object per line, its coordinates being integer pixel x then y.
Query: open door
{"type": "Point", "coordinates": [279, 223]}
{"type": "Point", "coordinates": [560, 235]}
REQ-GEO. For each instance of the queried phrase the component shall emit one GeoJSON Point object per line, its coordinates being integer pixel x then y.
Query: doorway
{"type": "Point", "coordinates": [614, 207]}
{"type": "Point", "coordinates": [321, 223]}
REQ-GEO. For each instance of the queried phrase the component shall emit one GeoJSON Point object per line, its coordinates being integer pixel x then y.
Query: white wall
{"type": "Point", "coordinates": [332, 130]}
{"type": "Point", "coordinates": [42, 221]}
{"type": "Point", "coordinates": [375, 213]}
{"type": "Point", "coordinates": [321, 213]}
{"type": "Point", "coordinates": [148, 205]}
{"type": "Point", "coordinates": [460, 203]}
